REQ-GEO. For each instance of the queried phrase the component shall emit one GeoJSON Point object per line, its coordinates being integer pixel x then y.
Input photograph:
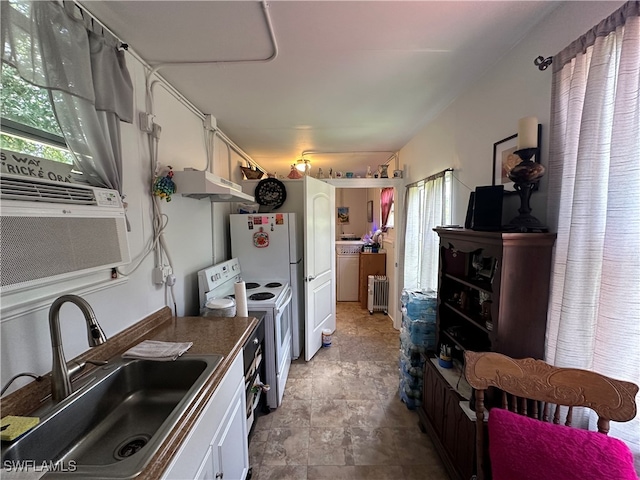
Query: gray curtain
{"type": "Point", "coordinates": [85, 74]}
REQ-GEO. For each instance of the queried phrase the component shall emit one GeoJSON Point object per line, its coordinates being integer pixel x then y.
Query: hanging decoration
{"type": "Point", "coordinates": [163, 186]}
{"type": "Point", "coordinates": [270, 193]}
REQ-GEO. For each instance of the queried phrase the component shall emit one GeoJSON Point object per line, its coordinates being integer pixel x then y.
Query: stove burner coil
{"type": "Point", "coordinates": [252, 285]}
{"type": "Point", "coordinates": [273, 285]}
{"type": "Point", "coordinates": [261, 296]}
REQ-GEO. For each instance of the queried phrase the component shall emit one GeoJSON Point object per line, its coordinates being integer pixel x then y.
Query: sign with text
{"type": "Point", "coordinates": [28, 166]}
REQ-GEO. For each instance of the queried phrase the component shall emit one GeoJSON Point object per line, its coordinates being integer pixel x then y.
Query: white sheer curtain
{"type": "Point", "coordinates": [594, 204]}
{"type": "Point", "coordinates": [86, 77]}
{"type": "Point", "coordinates": [427, 206]}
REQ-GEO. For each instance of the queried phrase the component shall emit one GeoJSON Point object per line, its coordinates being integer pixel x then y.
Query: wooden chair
{"type": "Point", "coordinates": [549, 387]}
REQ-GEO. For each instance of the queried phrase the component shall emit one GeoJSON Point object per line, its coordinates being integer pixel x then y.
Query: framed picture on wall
{"type": "Point", "coordinates": [343, 215]}
{"type": "Point", "coordinates": [504, 159]}
{"type": "Point", "coordinates": [370, 211]}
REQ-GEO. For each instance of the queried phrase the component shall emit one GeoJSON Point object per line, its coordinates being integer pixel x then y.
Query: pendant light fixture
{"type": "Point", "coordinates": [303, 165]}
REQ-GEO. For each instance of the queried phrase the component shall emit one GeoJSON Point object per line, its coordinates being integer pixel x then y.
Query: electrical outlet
{"type": "Point", "coordinates": [160, 274]}
{"type": "Point", "coordinates": [166, 271]}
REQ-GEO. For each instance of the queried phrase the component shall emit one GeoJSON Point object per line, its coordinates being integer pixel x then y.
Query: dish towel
{"type": "Point", "coordinates": [155, 350]}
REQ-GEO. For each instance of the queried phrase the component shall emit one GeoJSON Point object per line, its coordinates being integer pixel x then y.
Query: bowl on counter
{"type": "Point", "coordinates": [220, 307]}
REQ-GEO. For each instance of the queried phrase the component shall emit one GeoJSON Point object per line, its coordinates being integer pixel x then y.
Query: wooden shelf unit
{"type": "Point", "coordinates": [509, 271]}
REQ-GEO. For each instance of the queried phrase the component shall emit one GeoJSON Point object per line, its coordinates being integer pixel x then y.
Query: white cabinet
{"type": "Point", "coordinates": [205, 472]}
{"type": "Point", "coordinates": [217, 445]}
{"type": "Point", "coordinates": [229, 461]}
{"type": "Point", "coordinates": [347, 267]}
{"type": "Point", "coordinates": [347, 278]}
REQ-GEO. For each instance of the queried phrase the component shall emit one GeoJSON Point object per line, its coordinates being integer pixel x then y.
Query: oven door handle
{"type": "Point", "coordinates": [286, 302]}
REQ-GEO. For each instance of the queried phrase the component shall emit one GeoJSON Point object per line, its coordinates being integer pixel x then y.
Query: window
{"type": "Point", "coordinates": [29, 124]}
{"type": "Point", "coordinates": [428, 206]}
{"type": "Point", "coordinates": [84, 79]}
{"type": "Point", "coordinates": [391, 218]}
{"type": "Point", "coordinates": [594, 206]}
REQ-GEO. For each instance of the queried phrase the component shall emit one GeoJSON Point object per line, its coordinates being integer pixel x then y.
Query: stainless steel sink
{"type": "Point", "coordinates": [114, 423]}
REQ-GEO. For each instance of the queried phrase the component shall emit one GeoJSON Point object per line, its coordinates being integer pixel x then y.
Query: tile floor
{"type": "Point", "coordinates": [341, 417]}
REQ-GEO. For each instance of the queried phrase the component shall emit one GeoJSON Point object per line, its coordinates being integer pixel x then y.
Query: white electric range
{"type": "Point", "coordinates": [273, 298]}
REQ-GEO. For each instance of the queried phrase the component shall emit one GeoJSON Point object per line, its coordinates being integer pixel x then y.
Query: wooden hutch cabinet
{"type": "Point", "coordinates": [493, 290]}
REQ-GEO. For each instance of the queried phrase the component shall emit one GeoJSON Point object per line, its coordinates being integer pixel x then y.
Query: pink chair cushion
{"type": "Point", "coordinates": [522, 448]}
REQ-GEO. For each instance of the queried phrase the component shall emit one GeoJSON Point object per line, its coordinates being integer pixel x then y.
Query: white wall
{"type": "Point", "coordinates": [25, 342]}
{"type": "Point", "coordinates": [462, 136]}
{"type": "Point", "coordinates": [356, 200]}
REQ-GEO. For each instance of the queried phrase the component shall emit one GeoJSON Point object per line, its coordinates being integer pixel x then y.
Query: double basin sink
{"type": "Point", "coordinates": [115, 421]}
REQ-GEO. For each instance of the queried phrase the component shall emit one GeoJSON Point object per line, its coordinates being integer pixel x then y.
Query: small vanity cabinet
{"type": "Point", "coordinates": [370, 264]}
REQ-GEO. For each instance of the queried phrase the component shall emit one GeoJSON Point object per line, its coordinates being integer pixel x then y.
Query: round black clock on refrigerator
{"type": "Point", "coordinates": [270, 192]}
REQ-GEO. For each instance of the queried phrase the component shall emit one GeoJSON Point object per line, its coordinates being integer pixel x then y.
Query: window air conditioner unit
{"type": "Point", "coordinates": [52, 231]}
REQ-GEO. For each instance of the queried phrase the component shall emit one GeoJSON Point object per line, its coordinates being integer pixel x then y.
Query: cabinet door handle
{"type": "Point", "coordinates": [256, 341]}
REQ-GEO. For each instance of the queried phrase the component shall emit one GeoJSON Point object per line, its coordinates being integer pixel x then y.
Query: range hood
{"type": "Point", "coordinates": [200, 184]}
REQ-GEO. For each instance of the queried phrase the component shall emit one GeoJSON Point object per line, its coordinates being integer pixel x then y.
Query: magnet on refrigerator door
{"type": "Point", "coordinates": [261, 239]}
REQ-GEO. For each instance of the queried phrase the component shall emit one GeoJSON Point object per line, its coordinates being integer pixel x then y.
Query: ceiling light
{"type": "Point", "coordinates": [303, 165]}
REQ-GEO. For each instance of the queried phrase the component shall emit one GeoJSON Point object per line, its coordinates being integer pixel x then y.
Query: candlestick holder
{"type": "Point", "coordinates": [525, 176]}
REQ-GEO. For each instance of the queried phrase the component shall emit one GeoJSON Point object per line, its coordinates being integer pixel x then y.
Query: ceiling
{"type": "Point", "coordinates": [349, 78]}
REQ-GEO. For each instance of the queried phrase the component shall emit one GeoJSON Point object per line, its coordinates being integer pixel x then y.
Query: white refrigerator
{"type": "Point", "coordinates": [269, 247]}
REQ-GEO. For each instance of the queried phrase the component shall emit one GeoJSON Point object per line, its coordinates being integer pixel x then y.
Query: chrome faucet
{"type": "Point", "coordinates": [60, 372]}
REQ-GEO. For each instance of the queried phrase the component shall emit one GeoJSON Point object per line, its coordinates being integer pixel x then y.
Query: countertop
{"type": "Point", "coordinates": [225, 336]}
{"type": "Point", "coordinates": [210, 335]}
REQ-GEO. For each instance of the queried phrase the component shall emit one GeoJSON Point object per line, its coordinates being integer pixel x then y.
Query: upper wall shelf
{"type": "Point", "coordinates": [364, 182]}
{"type": "Point", "coordinates": [346, 182]}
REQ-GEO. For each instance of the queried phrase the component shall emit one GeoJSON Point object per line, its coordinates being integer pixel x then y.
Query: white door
{"type": "Point", "coordinates": [319, 262]}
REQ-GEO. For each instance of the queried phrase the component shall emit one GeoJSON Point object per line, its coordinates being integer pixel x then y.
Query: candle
{"type": "Point", "coordinates": [527, 133]}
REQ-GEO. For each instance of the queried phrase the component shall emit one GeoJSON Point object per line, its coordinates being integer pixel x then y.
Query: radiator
{"type": "Point", "coordinates": [378, 293]}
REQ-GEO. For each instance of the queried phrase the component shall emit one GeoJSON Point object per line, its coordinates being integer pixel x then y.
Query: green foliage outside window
{"type": "Point", "coordinates": [28, 105]}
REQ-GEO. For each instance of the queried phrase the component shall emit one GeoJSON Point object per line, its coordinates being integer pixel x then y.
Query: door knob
{"type": "Point", "coordinates": [309, 278]}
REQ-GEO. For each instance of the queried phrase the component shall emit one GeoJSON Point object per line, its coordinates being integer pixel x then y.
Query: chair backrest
{"type": "Point", "coordinates": [538, 390]}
